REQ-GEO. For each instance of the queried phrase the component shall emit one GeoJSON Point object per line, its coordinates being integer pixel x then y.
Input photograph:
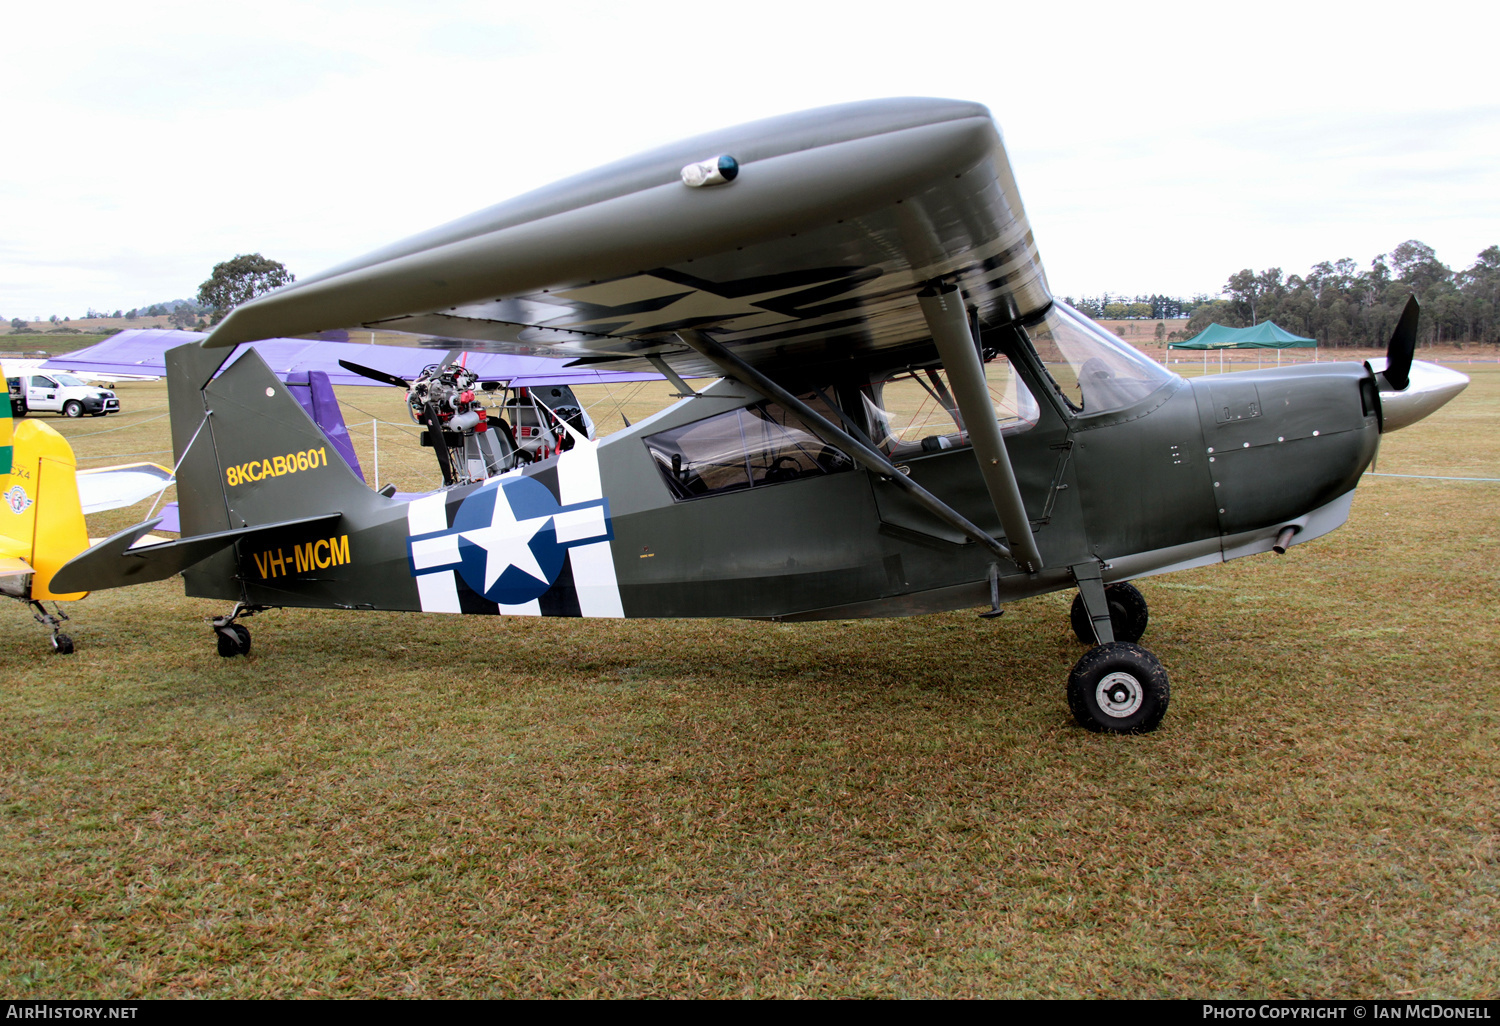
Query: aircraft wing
{"type": "Point", "coordinates": [814, 251]}
{"type": "Point", "coordinates": [142, 352]}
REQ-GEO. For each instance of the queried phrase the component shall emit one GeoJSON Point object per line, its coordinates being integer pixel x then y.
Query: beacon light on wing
{"type": "Point", "coordinates": [713, 171]}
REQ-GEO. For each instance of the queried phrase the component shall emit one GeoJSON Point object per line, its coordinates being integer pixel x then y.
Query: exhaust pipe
{"type": "Point", "coordinates": [1283, 541]}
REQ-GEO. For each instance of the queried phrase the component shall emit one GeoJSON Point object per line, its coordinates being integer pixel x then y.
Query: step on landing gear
{"type": "Point", "coordinates": [61, 643]}
{"type": "Point", "coordinates": [1117, 687]}
{"type": "Point", "coordinates": [234, 638]}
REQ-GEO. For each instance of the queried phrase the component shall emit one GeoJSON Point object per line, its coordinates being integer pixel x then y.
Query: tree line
{"type": "Point", "coordinates": [1122, 308]}
{"type": "Point", "coordinates": [231, 283]}
{"type": "Point", "coordinates": [1338, 303]}
{"type": "Point", "coordinates": [1341, 305]}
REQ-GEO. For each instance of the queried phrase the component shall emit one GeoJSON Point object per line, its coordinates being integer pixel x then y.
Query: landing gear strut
{"type": "Point", "coordinates": [234, 638]}
{"type": "Point", "coordinates": [1117, 687]}
{"type": "Point", "coordinates": [61, 643]}
{"type": "Point", "coordinates": [1128, 614]}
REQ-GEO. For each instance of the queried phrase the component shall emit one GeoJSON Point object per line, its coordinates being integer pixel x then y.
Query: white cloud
{"type": "Point", "coordinates": [1158, 147]}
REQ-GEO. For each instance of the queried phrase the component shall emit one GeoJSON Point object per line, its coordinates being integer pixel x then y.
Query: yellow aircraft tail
{"type": "Point", "coordinates": [41, 521]}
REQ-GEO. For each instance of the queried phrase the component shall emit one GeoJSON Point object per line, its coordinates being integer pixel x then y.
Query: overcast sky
{"type": "Point", "coordinates": [1159, 148]}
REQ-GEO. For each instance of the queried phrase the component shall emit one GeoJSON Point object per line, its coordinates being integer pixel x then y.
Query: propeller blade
{"type": "Point", "coordinates": [1403, 345]}
{"type": "Point", "coordinates": [375, 375]}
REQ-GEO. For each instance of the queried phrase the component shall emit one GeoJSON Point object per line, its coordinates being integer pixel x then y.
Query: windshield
{"type": "Point", "coordinates": [69, 381]}
{"type": "Point", "coordinates": [1093, 371]}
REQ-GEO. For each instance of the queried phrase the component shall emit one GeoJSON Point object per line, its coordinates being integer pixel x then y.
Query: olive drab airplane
{"type": "Point", "coordinates": [836, 269]}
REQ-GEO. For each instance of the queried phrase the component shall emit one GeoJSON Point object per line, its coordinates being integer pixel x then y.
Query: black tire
{"type": "Point", "coordinates": [1128, 614]}
{"type": "Point", "coordinates": [72, 408]}
{"type": "Point", "coordinates": [1118, 688]}
{"type": "Point", "coordinates": [18, 408]}
{"type": "Point", "coordinates": [233, 640]}
{"type": "Point", "coordinates": [62, 644]}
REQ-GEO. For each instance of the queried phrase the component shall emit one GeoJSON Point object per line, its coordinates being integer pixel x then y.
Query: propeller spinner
{"type": "Point", "coordinates": [1411, 389]}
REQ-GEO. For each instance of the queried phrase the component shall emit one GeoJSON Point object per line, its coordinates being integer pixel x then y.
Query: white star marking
{"type": "Point", "coordinates": [507, 542]}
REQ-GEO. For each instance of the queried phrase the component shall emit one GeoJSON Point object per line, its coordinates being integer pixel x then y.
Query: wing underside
{"type": "Point", "coordinates": [814, 253]}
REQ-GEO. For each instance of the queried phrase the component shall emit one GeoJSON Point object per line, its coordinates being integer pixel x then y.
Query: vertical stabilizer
{"type": "Point", "coordinates": [249, 456]}
{"type": "Point", "coordinates": [42, 516]}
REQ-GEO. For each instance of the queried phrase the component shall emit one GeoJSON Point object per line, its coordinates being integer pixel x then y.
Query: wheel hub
{"type": "Point", "coordinates": [1119, 695]}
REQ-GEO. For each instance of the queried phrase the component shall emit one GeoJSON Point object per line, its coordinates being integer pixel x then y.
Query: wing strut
{"type": "Point", "coordinates": [943, 307]}
{"type": "Point", "coordinates": [871, 459]}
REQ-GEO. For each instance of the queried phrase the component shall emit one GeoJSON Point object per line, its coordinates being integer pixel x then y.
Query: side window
{"type": "Point", "coordinates": [751, 447]}
{"type": "Point", "coordinates": [915, 411]}
{"type": "Point", "coordinates": [42, 382]}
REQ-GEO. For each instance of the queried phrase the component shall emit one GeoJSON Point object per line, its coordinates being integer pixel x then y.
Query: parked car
{"type": "Point", "coordinates": [66, 394]}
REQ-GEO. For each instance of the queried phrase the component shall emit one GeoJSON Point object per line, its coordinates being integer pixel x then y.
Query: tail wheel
{"type": "Point", "coordinates": [62, 644]}
{"type": "Point", "coordinates": [233, 640]}
{"type": "Point", "coordinates": [1128, 614]}
{"type": "Point", "coordinates": [1119, 688]}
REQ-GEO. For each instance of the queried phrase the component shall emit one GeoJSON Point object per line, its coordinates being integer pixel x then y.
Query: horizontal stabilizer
{"type": "Point", "coordinates": [113, 563]}
{"type": "Point", "coordinates": [15, 576]}
{"type": "Point", "coordinates": [112, 487]}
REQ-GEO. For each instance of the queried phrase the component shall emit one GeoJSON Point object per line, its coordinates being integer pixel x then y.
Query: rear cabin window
{"type": "Point", "coordinates": [751, 447]}
{"type": "Point", "coordinates": [915, 412]}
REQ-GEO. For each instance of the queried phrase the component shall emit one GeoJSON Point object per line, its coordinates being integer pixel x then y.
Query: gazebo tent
{"type": "Point", "coordinates": [1265, 335]}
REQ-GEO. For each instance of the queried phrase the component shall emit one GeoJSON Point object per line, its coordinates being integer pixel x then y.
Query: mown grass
{"type": "Point", "coordinates": [387, 805]}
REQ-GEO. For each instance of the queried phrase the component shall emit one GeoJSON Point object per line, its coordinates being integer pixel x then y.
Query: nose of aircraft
{"type": "Point", "coordinates": [1411, 389]}
{"type": "Point", "coordinates": [1428, 388]}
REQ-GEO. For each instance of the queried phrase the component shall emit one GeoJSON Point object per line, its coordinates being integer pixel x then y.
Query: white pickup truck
{"type": "Point", "coordinates": [59, 392]}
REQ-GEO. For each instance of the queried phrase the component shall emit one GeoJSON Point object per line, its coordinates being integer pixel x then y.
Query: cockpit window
{"type": "Point", "coordinates": [1093, 371]}
{"type": "Point", "coordinates": [744, 448]}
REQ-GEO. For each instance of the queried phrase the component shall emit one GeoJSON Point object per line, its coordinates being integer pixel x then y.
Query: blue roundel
{"type": "Point", "coordinates": [504, 549]}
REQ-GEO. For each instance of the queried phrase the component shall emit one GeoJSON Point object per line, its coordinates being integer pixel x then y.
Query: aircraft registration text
{"type": "Point", "coordinates": [276, 466]}
{"type": "Point", "coordinates": [318, 555]}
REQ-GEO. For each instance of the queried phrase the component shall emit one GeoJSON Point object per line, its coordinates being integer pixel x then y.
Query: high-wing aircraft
{"type": "Point", "coordinates": [839, 269]}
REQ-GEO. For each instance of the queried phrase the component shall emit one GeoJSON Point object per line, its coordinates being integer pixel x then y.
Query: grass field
{"type": "Point", "coordinates": [417, 805]}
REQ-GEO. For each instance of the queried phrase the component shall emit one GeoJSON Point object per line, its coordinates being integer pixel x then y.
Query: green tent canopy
{"type": "Point", "coordinates": [1263, 336]}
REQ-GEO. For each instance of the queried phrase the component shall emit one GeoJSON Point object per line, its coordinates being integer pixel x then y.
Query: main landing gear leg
{"type": "Point", "coordinates": [61, 643]}
{"type": "Point", "coordinates": [1117, 687]}
{"type": "Point", "coordinates": [234, 638]}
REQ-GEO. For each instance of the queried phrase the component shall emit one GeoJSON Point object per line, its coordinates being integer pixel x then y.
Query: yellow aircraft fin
{"type": "Point", "coordinates": [41, 515]}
